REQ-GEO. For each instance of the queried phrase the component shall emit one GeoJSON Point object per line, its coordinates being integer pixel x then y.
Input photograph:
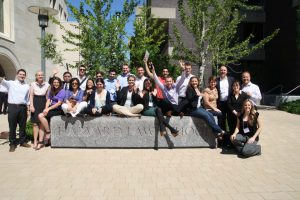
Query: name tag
{"type": "Point", "coordinates": [150, 104]}
{"type": "Point", "coordinates": [246, 130]}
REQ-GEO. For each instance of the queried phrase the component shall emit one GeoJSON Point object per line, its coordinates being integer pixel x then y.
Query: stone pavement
{"type": "Point", "coordinates": [164, 174]}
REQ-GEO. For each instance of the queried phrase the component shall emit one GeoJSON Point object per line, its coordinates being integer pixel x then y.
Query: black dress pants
{"type": "Point", "coordinates": [17, 114]}
{"type": "Point", "coordinates": [222, 119]}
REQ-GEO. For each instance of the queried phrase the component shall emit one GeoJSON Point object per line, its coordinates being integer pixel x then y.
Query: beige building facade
{"type": "Point", "coordinates": [19, 38]}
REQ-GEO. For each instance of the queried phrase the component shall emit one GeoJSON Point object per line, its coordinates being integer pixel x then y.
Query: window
{"type": "Point", "coordinates": [1, 17]}
{"type": "Point", "coordinates": [256, 29]}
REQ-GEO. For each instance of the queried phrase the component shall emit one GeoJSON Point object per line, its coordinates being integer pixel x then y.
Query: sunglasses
{"type": "Point", "coordinates": [81, 69]}
{"type": "Point", "coordinates": [74, 83]}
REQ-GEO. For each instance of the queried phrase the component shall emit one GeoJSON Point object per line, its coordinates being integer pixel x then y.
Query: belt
{"type": "Point", "coordinates": [17, 105]}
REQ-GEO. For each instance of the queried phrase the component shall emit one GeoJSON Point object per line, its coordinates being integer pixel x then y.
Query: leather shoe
{"type": "Point", "coordinates": [12, 148]}
{"type": "Point", "coordinates": [25, 145]}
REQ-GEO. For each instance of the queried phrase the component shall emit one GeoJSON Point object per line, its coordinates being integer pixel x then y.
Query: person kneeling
{"type": "Point", "coordinates": [99, 101]}
{"type": "Point", "coordinates": [128, 99]}
{"type": "Point", "coordinates": [245, 136]}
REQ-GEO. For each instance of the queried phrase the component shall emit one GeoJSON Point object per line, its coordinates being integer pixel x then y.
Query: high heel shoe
{"type": "Point", "coordinates": [175, 133]}
{"type": "Point", "coordinates": [47, 139]}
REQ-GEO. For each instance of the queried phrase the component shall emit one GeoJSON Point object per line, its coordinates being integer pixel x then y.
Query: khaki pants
{"type": "Point", "coordinates": [128, 111]}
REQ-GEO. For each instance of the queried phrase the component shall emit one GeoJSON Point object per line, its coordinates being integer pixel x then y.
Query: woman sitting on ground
{"type": "Point", "coordinates": [56, 96]}
{"type": "Point", "coordinates": [73, 102]}
{"type": "Point", "coordinates": [210, 96]}
{"type": "Point", "coordinates": [235, 104]}
{"type": "Point", "coordinates": [148, 98]}
{"type": "Point", "coordinates": [90, 87]}
{"type": "Point", "coordinates": [38, 92]}
{"type": "Point", "coordinates": [193, 108]}
{"type": "Point", "coordinates": [99, 103]}
{"type": "Point", "coordinates": [248, 128]}
{"type": "Point", "coordinates": [128, 99]}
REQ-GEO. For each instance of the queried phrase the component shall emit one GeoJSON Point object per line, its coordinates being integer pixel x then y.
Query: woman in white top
{"type": "Point", "coordinates": [100, 100]}
{"type": "Point", "coordinates": [38, 91]}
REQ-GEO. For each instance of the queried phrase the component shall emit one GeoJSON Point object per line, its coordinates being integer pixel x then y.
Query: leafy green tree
{"type": "Point", "coordinates": [150, 35]}
{"type": "Point", "coordinates": [214, 25]}
{"type": "Point", "coordinates": [100, 36]}
{"type": "Point", "coordinates": [51, 52]}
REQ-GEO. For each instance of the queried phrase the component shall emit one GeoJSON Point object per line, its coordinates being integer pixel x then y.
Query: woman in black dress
{"type": "Point", "coordinates": [235, 104]}
{"type": "Point", "coordinates": [38, 91]}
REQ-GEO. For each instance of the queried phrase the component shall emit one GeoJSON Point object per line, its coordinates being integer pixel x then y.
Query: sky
{"type": "Point", "coordinates": [116, 6]}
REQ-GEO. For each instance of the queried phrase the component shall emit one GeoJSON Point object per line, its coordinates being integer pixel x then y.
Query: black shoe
{"type": "Point", "coordinates": [25, 145]}
{"type": "Point", "coordinates": [5, 113]}
{"type": "Point", "coordinates": [12, 148]}
{"type": "Point", "coordinates": [1, 113]}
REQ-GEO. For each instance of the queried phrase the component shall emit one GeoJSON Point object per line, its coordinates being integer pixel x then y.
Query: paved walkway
{"type": "Point", "coordinates": [164, 174]}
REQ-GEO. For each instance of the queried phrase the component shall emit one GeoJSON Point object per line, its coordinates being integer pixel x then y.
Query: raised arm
{"type": "Point", "coordinates": [148, 70]}
{"type": "Point", "coordinates": [157, 81]}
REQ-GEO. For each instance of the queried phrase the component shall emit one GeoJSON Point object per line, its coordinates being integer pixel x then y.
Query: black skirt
{"type": "Point", "coordinates": [39, 103]}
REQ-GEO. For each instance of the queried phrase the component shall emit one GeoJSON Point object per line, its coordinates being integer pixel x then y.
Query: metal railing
{"type": "Point", "coordinates": [292, 90]}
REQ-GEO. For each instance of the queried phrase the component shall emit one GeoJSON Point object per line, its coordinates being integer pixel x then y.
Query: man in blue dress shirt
{"type": "Point", "coordinates": [122, 78]}
{"type": "Point", "coordinates": [18, 101]}
{"type": "Point", "coordinates": [110, 84]}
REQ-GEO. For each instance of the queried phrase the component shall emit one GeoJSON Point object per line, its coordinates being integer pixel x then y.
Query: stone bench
{"type": "Point", "coordinates": [116, 132]}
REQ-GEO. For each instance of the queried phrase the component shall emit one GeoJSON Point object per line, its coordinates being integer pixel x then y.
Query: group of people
{"type": "Point", "coordinates": [135, 95]}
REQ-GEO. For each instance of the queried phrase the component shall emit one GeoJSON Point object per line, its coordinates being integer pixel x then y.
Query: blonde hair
{"type": "Point", "coordinates": [36, 73]}
{"type": "Point", "coordinates": [252, 114]}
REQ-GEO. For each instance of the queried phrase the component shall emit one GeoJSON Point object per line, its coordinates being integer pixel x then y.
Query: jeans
{"type": "Point", "coordinates": [208, 117]}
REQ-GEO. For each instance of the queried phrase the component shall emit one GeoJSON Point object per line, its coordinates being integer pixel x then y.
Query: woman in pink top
{"type": "Point", "coordinates": [38, 91]}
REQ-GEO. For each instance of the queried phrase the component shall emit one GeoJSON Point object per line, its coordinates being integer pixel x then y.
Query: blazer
{"type": "Point", "coordinates": [230, 81]}
{"type": "Point", "coordinates": [191, 101]}
{"type": "Point", "coordinates": [122, 97]}
{"type": "Point", "coordinates": [236, 104]}
{"type": "Point", "coordinates": [145, 100]}
{"type": "Point", "coordinates": [92, 99]}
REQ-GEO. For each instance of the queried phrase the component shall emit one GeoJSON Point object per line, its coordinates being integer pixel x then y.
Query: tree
{"type": "Point", "coordinates": [51, 51]}
{"type": "Point", "coordinates": [148, 35]}
{"type": "Point", "coordinates": [100, 40]}
{"type": "Point", "coordinates": [214, 25]}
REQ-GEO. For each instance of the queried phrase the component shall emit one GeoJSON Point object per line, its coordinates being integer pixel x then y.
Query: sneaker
{"type": "Point", "coordinates": [12, 148]}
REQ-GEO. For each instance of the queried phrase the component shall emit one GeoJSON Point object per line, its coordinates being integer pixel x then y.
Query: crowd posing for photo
{"type": "Point", "coordinates": [228, 106]}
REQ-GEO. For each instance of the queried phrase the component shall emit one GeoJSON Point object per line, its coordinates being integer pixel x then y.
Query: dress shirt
{"type": "Point", "coordinates": [18, 92]}
{"type": "Point", "coordinates": [110, 86]}
{"type": "Point", "coordinates": [66, 86]}
{"type": "Point", "coordinates": [123, 79]}
{"type": "Point", "coordinates": [78, 97]}
{"type": "Point", "coordinates": [39, 89]}
{"type": "Point", "coordinates": [183, 86]}
{"type": "Point", "coordinates": [139, 82]}
{"type": "Point", "coordinates": [3, 89]}
{"type": "Point", "coordinates": [255, 92]}
{"type": "Point", "coordinates": [224, 88]}
{"type": "Point", "coordinates": [170, 94]}
{"type": "Point", "coordinates": [82, 82]}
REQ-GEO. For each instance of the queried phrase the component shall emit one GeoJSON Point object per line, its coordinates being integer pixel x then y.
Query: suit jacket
{"type": "Point", "coordinates": [122, 96]}
{"type": "Point", "coordinates": [92, 99]}
{"type": "Point", "coordinates": [230, 81]}
{"type": "Point", "coordinates": [145, 100]}
{"type": "Point", "coordinates": [191, 101]}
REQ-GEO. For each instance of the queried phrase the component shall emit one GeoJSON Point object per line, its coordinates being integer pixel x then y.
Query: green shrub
{"type": "Point", "coordinates": [29, 130]}
{"type": "Point", "coordinates": [291, 107]}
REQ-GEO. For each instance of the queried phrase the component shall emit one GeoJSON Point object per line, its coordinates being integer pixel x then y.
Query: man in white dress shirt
{"type": "Point", "coordinates": [139, 82]}
{"type": "Point", "coordinates": [250, 88]}
{"type": "Point", "coordinates": [18, 101]}
{"type": "Point", "coordinates": [187, 68]}
{"type": "Point", "coordinates": [82, 77]}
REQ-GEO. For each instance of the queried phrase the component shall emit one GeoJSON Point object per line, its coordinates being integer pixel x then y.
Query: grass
{"type": "Point", "coordinates": [29, 131]}
{"type": "Point", "coordinates": [291, 107]}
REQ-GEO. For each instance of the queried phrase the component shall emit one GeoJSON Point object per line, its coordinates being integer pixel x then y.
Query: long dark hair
{"type": "Point", "coordinates": [71, 82]}
{"type": "Point", "coordinates": [101, 81]}
{"type": "Point", "coordinates": [252, 115]}
{"type": "Point", "coordinates": [53, 90]}
{"type": "Point", "coordinates": [144, 85]}
{"type": "Point", "coordinates": [86, 86]}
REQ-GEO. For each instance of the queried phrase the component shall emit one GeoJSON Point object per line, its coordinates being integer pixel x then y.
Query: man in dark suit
{"type": "Point", "coordinates": [224, 83]}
